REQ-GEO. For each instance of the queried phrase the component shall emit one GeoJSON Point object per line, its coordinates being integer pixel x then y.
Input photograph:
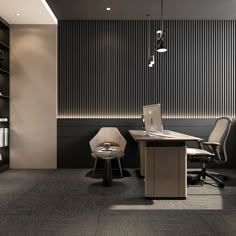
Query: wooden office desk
{"type": "Point", "coordinates": [165, 163]}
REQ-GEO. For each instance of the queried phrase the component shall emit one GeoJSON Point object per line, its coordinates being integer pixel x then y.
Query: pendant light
{"type": "Point", "coordinates": [160, 41]}
{"type": "Point", "coordinates": [160, 44]}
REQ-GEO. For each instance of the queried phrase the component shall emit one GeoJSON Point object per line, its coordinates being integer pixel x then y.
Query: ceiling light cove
{"type": "Point", "coordinates": [49, 10]}
{"type": "Point", "coordinates": [27, 12]}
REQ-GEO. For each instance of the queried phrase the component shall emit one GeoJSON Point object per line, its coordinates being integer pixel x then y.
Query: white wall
{"type": "Point", "coordinates": [33, 78]}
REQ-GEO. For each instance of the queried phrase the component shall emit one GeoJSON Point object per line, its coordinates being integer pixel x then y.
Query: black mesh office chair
{"type": "Point", "coordinates": [212, 151]}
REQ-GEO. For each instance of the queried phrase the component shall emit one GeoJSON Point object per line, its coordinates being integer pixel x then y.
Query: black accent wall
{"type": "Point", "coordinates": [74, 136]}
{"type": "Point", "coordinates": [103, 69]}
{"type": "Point", "coordinates": [104, 80]}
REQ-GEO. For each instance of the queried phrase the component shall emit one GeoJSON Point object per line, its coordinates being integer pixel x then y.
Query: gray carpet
{"type": "Point", "coordinates": [67, 202]}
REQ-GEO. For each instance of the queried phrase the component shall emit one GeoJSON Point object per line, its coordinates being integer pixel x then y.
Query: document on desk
{"type": "Point", "coordinates": [161, 135]}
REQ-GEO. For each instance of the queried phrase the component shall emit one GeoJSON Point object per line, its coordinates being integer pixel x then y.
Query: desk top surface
{"type": "Point", "coordinates": [167, 135]}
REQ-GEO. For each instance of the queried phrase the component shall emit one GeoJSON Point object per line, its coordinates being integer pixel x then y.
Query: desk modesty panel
{"type": "Point", "coordinates": [165, 163]}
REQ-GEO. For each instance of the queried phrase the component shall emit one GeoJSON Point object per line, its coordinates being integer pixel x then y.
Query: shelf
{"type": "Point", "coordinates": [5, 146]}
{"type": "Point", "coordinates": [3, 45]}
{"type": "Point", "coordinates": [3, 96]}
{"type": "Point", "coordinates": [3, 167]}
{"type": "Point", "coordinates": [4, 71]}
{"type": "Point", "coordinates": [3, 124]}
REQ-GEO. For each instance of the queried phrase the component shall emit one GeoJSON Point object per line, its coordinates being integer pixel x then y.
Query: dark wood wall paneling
{"type": "Point", "coordinates": [103, 69]}
{"type": "Point", "coordinates": [104, 80]}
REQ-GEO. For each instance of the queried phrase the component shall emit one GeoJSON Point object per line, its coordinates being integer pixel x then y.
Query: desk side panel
{"type": "Point", "coordinates": [166, 172]}
{"type": "Point", "coordinates": [182, 172]}
{"type": "Point", "coordinates": [142, 154]}
{"type": "Point", "coordinates": [149, 172]}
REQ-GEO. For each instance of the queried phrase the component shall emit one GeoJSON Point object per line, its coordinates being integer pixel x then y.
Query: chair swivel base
{"type": "Point", "coordinates": [107, 178]}
{"type": "Point", "coordinates": [201, 176]}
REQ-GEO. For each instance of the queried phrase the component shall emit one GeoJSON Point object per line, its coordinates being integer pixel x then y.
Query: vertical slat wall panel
{"type": "Point", "coordinates": [103, 69]}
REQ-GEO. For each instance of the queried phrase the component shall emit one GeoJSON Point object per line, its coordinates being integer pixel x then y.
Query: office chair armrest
{"type": "Point", "coordinates": [215, 148]}
{"type": "Point", "coordinates": [211, 143]}
{"type": "Point", "coordinates": [200, 142]}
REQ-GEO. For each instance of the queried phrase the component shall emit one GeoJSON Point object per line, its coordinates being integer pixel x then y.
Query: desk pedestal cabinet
{"type": "Point", "coordinates": [165, 170]}
{"type": "Point", "coordinates": [165, 163]}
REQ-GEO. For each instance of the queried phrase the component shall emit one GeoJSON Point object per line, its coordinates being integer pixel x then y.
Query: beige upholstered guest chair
{"type": "Point", "coordinates": [212, 151]}
{"type": "Point", "coordinates": [111, 135]}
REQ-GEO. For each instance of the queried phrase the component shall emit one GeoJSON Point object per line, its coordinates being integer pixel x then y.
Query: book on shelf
{"type": "Point", "coordinates": [3, 137]}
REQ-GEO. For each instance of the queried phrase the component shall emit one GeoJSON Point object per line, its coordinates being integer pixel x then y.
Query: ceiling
{"type": "Point", "coordinates": [37, 12]}
{"type": "Point", "coordinates": [31, 12]}
{"type": "Point", "coordinates": [138, 9]}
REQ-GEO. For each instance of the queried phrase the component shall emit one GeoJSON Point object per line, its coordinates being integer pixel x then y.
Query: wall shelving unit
{"type": "Point", "coordinates": [4, 95]}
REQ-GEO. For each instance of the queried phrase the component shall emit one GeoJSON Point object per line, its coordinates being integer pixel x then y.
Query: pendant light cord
{"type": "Point", "coordinates": [162, 26]}
{"type": "Point", "coordinates": [149, 50]}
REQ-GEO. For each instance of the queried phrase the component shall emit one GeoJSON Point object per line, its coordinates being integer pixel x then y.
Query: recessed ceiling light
{"type": "Point", "coordinates": [17, 14]}
{"type": "Point", "coordinates": [108, 8]}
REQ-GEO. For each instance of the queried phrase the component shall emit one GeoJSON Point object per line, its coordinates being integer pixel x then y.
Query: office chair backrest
{"type": "Point", "coordinates": [108, 134]}
{"type": "Point", "coordinates": [220, 134]}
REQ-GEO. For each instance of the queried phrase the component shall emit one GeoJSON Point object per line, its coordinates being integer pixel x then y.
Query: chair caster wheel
{"type": "Point", "coordinates": [225, 178]}
{"type": "Point", "coordinates": [221, 185]}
